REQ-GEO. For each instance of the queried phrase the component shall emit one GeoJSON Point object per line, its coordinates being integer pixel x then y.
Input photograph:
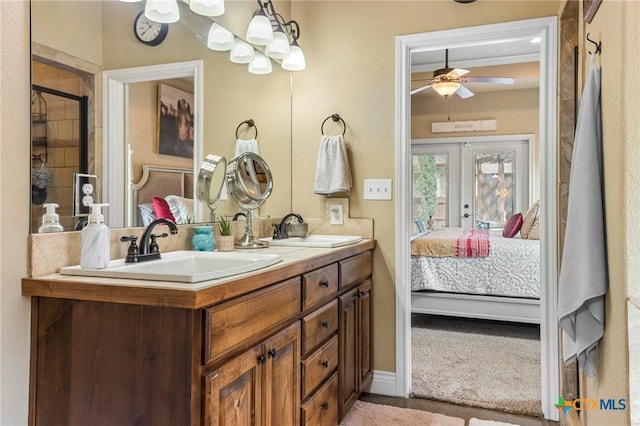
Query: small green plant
{"type": "Point", "coordinates": [224, 226]}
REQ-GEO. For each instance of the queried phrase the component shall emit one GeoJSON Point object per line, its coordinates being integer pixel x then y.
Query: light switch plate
{"type": "Point", "coordinates": [377, 189]}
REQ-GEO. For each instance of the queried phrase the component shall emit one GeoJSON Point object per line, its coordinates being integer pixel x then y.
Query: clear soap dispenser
{"type": "Point", "coordinates": [50, 220]}
{"type": "Point", "coordinates": [95, 241]}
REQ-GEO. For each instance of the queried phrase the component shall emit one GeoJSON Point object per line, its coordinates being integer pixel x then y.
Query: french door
{"type": "Point", "coordinates": [471, 183]}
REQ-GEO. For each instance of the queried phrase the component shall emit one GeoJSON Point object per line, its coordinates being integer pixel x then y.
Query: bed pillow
{"type": "Point", "coordinates": [146, 214]}
{"type": "Point", "coordinates": [512, 226]}
{"type": "Point", "coordinates": [529, 218]}
{"type": "Point", "coordinates": [534, 232]}
{"type": "Point", "coordinates": [181, 208]}
{"type": "Point", "coordinates": [162, 209]}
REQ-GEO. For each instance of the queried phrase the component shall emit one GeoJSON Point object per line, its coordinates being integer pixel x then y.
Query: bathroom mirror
{"type": "Point", "coordinates": [210, 181]}
{"type": "Point", "coordinates": [230, 93]}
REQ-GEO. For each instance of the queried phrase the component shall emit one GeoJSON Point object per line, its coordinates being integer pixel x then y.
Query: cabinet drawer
{"type": "Point", "coordinates": [319, 366]}
{"type": "Point", "coordinates": [232, 323]}
{"type": "Point", "coordinates": [319, 284]}
{"type": "Point", "coordinates": [355, 269]}
{"type": "Point", "coordinates": [322, 408]}
{"type": "Point", "coordinates": [319, 325]}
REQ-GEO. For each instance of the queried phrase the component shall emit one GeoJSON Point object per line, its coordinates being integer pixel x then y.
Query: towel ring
{"type": "Point", "coordinates": [336, 118]}
{"type": "Point", "coordinates": [250, 123]}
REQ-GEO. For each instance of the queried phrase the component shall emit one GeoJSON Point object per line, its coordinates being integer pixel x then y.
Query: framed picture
{"type": "Point", "coordinates": [590, 8]}
{"type": "Point", "coordinates": [175, 122]}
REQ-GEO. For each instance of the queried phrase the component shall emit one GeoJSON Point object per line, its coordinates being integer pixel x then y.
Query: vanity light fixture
{"type": "Point", "coordinates": [220, 38]}
{"type": "Point", "coordinates": [207, 7]}
{"type": "Point", "coordinates": [162, 11]}
{"type": "Point", "coordinates": [242, 52]}
{"type": "Point", "coordinates": [260, 64]}
{"type": "Point", "coordinates": [259, 31]}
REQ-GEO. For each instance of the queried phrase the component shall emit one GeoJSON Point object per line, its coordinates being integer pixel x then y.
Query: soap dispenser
{"type": "Point", "coordinates": [95, 241]}
{"type": "Point", "coordinates": [50, 220]}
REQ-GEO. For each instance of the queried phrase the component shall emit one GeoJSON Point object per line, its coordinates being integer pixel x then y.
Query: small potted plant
{"type": "Point", "coordinates": [224, 238]}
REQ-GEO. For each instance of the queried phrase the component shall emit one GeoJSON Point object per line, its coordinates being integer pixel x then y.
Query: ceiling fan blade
{"type": "Point", "coordinates": [457, 72]}
{"type": "Point", "coordinates": [463, 92]}
{"type": "Point", "coordinates": [420, 89]}
{"type": "Point", "coordinates": [495, 80]}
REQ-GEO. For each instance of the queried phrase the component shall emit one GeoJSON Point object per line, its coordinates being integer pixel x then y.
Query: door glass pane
{"type": "Point", "coordinates": [430, 190]}
{"type": "Point", "coordinates": [494, 188]}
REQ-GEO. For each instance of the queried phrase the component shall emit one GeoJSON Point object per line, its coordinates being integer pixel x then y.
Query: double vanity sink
{"type": "Point", "coordinates": [196, 266]}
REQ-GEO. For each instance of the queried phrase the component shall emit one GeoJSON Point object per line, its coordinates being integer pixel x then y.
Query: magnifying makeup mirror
{"type": "Point", "coordinates": [249, 184]}
{"type": "Point", "coordinates": [210, 180]}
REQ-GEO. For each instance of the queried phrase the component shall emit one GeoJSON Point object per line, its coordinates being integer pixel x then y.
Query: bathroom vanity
{"type": "Point", "coordinates": [287, 345]}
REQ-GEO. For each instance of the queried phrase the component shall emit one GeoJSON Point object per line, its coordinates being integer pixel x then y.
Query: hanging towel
{"type": "Point", "coordinates": [332, 169]}
{"type": "Point", "coordinates": [242, 145]}
{"type": "Point", "coordinates": [583, 273]}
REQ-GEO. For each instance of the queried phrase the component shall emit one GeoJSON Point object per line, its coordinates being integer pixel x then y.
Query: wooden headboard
{"type": "Point", "coordinates": [160, 181]}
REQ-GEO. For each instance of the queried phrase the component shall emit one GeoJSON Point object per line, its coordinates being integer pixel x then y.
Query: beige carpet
{"type": "Point", "coordinates": [480, 364]}
{"type": "Point", "coordinates": [368, 414]}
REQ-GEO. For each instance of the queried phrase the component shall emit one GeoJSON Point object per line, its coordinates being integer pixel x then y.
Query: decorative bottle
{"type": "Point", "coordinates": [95, 241]}
{"type": "Point", "coordinates": [202, 239]}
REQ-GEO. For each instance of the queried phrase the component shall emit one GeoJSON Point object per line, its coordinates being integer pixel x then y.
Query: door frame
{"type": "Point", "coordinates": [547, 29]}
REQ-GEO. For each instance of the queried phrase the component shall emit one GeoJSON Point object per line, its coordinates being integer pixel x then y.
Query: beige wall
{"type": "Point", "coordinates": [351, 71]}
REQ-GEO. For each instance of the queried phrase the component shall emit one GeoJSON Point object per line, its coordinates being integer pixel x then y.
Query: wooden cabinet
{"type": "Point", "coordinates": [287, 346]}
{"type": "Point", "coordinates": [355, 361]}
{"type": "Point", "coordinates": [259, 387]}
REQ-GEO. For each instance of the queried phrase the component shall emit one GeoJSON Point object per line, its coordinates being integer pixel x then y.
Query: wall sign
{"type": "Point", "coordinates": [464, 126]}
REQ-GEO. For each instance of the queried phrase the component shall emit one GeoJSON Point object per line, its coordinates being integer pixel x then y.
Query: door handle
{"type": "Point", "coordinates": [466, 215]}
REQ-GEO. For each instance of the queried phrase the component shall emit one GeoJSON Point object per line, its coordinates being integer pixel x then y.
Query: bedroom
{"type": "Point", "coordinates": [476, 179]}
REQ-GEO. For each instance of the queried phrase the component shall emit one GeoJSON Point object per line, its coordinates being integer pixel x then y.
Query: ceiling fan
{"type": "Point", "coordinates": [447, 81]}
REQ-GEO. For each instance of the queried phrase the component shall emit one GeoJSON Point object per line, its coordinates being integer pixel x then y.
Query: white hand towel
{"type": "Point", "coordinates": [243, 145]}
{"type": "Point", "coordinates": [332, 169]}
{"type": "Point", "coordinates": [583, 273]}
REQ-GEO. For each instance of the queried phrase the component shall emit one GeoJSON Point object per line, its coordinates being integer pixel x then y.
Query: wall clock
{"type": "Point", "coordinates": [149, 32]}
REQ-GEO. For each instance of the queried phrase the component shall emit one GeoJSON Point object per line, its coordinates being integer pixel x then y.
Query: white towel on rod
{"type": "Point", "coordinates": [333, 174]}
{"type": "Point", "coordinates": [583, 273]}
{"type": "Point", "coordinates": [246, 145]}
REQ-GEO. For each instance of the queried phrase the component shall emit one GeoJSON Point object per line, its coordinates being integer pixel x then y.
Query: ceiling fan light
{"type": "Point", "coordinates": [162, 11]}
{"type": "Point", "coordinates": [207, 7]}
{"type": "Point", "coordinates": [219, 38]}
{"type": "Point", "coordinates": [295, 61]}
{"type": "Point", "coordinates": [259, 31]}
{"type": "Point", "coordinates": [446, 88]}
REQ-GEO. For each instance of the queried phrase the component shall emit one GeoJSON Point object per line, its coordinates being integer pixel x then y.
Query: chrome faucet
{"type": "Point", "coordinates": [280, 231]}
{"type": "Point", "coordinates": [148, 249]}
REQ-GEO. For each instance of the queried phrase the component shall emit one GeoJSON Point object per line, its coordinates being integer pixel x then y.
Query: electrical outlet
{"type": "Point", "coordinates": [377, 189]}
{"type": "Point", "coordinates": [336, 214]}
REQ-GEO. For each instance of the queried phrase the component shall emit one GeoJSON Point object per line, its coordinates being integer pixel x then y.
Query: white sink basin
{"type": "Point", "coordinates": [322, 241]}
{"type": "Point", "coordinates": [182, 266]}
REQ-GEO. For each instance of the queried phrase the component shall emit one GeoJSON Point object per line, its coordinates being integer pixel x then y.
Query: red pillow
{"type": "Point", "coordinates": [162, 209]}
{"type": "Point", "coordinates": [512, 226]}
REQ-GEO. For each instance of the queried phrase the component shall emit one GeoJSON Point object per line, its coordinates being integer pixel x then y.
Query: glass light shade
{"type": "Point", "coordinates": [163, 11]}
{"type": "Point", "coordinates": [260, 64]}
{"type": "Point", "coordinates": [278, 48]}
{"type": "Point", "coordinates": [219, 38]}
{"type": "Point", "coordinates": [259, 31]}
{"type": "Point", "coordinates": [446, 88]}
{"type": "Point", "coordinates": [295, 61]}
{"type": "Point", "coordinates": [242, 52]}
{"type": "Point", "coordinates": [207, 7]}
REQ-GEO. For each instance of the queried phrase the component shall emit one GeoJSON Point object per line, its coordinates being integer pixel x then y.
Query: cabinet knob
{"type": "Point", "coordinates": [324, 283]}
{"type": "Point", "coordinates": [325, 405]}
{"type": "Point", "coordinates": [359, 293]}
{"type": "Point", "coordinates": [261, 359]}
{"type": "Point", "coordinates": [325, 363]}
{"type": "Point", "coordinates": [325, 324]}
{"type": "Point", "coordinates": [272, 352]}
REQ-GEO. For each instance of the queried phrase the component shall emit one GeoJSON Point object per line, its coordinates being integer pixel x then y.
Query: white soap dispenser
{"type": "Point", "coordinates": [50, 220]}
{"type": "Point", "coordinates": [95, 241]}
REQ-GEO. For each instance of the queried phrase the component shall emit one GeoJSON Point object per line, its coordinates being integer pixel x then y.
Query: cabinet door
{"type": "Point", "coordinates": [365, 329]}
{"type": "Point", "coordinates": [233, 393]}
{"type": "Point", "coordinates": [348, 376]}
{"type": "Point", "coordinates": [282, 378]}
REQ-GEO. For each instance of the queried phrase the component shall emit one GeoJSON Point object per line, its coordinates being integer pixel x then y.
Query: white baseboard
{"type": "Point", "coordinates": [383, 383]}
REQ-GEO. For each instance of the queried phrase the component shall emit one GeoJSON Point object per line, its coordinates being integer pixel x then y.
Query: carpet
{"type": "Point", "coordinates": [367, 414]}
{"type": "Point", "coordinates": [478, 422]}
{"type": "Point", "coordinates": [486, 364]}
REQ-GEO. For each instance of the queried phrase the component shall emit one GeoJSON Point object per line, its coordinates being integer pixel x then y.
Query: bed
{"type": "Point", "coordinates": [502, 283]}
{"type": "Point", "coordinates": [171, 184]}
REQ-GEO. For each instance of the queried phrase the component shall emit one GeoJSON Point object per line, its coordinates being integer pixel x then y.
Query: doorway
{"type": "Point", "coordinates": [546, 29]}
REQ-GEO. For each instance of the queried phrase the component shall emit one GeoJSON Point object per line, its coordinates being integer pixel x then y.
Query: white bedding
{"type": "Point", "coordinates": [511, 269]}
